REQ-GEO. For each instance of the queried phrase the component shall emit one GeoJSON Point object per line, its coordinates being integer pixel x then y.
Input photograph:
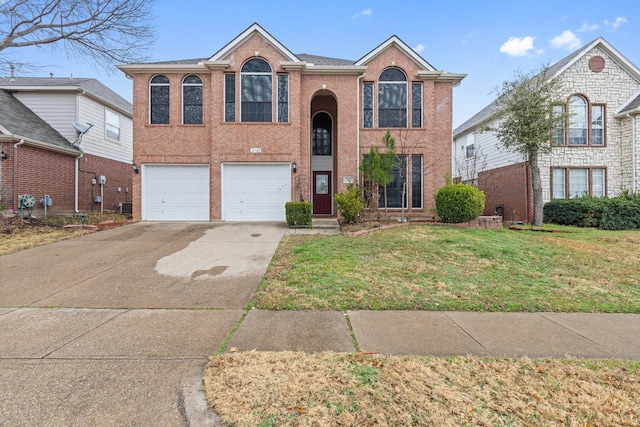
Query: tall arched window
{"type": "Point", "coordinates": [392, 98]}
{"type": "Point", "coordinates": [321, 135]}
{"type": "Point", "coordinates": [578, 119]}
{"type": "Point", "coordinates": [159, 100]}
{"type": "Point", "coordinates": [192, 100]}
{"type": "Point", "coordinates": [256, 88]}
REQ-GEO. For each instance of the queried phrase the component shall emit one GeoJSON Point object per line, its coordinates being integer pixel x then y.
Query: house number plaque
{"type": "Point", "coordinates": [256, 150]}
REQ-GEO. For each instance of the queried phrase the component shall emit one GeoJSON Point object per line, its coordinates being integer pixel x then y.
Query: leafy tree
{"type": "Point", "coordinates": [106, 31]}
{"type": "Point", "coordinates": [526, 120]}
{"type": "Point", "coordinates": [377, 169]}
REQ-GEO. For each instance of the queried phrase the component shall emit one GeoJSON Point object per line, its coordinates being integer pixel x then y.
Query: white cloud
{"type": "Point", "coordinates": [364, 12]}
{"type": "Point", "coordinates": [517, 46]}
{"type": "Point", "coordinates": [616, 24]}
{"type": "Point", "coordinates": [587, 27]}
{"type": "Point", "coordinates": [566, 40]}
{"type": "Point", "coordinates": [419, 48]}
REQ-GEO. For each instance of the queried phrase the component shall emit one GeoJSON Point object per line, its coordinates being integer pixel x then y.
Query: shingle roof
{"type": "Point", "coordinates": [92, 86]}
{"type": "Point", "coordinates": [633, 105]}
{"type": "Point", "coordinates": [19, 120]}
{"type": "Point", "coordinates": [323, 60]}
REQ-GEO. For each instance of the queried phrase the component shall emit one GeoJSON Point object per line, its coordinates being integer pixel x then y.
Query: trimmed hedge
{"type": "Point", "coordinates": [617, 213]}
{"type": "Point", "coordinates": [299, 214]}
{"type": "Point", "coordinates": [456, 203]}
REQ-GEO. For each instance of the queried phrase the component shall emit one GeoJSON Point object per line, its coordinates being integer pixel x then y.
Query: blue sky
{"type": "Point", "coordinates": [488, 40]}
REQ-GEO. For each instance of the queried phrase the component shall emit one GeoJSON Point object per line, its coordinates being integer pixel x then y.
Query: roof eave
{"type": "Point", "coordinates": [334, 69]}
{"type": "Point", "coordinates": [51, 147]}
{"type": "Point", "coordinates": [440, 76]}
{"type": "Point", "coordinates": [131, 69]}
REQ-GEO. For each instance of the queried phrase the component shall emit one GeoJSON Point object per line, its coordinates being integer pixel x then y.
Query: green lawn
{"type": "Point", "coordinates": [425, 267]}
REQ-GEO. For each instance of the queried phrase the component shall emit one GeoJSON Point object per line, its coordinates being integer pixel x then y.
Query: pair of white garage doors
{"type": "Point", "coordinates": [249, 192]}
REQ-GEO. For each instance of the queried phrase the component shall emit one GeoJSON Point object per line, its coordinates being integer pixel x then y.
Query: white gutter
{"type": "Point", "coordinates": [634, 164]}
{"type": "Point", "coordinates": [15, 174]}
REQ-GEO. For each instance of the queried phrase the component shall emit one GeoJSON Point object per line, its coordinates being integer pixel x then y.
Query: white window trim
{"type": "Point", "coordinates": [108, 125]}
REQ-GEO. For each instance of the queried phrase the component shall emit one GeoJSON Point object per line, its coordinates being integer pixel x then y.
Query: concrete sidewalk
{"type": "Point", "coordinates": [442, 334]}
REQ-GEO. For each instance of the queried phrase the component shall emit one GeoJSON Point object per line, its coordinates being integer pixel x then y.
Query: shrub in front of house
{"type": "Point", "coordinates": [298, 214]}
{"type": "Point", "coordinates": [618, 213]}
{"type": "Point", "coordinates": [350, 204]}
{"type": "Point", "coordinates": [457, 203]}
{"type": "Point", "coordinates": [580, 211]}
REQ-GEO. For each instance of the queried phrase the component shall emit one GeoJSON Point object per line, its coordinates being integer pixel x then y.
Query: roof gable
{"type": "Point", "coordinates": [395, 40]}
{"type": "Point", "coordinates": [244, 36]}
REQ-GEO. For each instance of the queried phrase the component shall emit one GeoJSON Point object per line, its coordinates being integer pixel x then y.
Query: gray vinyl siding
{"type": "Point", "coordinates": [57, 109]}
{"type": "Point", "coordinates": [95, 141]}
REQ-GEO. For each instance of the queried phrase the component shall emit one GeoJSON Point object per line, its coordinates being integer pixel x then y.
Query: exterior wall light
{"type": "Point", "coordinates": [3, 155]}
{"type": "Point", "coordinates": [135, 167]}
{"type": "Point", "coordinates": [294, 167]}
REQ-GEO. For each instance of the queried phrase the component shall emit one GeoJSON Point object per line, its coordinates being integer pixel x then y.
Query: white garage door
{"type": "Point", "coordinates": [175, 192]}
{"type": "Point", "coordinates": [256, 191]}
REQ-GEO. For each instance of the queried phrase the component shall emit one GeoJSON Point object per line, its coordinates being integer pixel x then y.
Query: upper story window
{"type": "Point", "coordinates": [367, 104]}
{"type": "Point", "coordinates": [586, 123]}
{"type": "Point", "coordinates": [392, 98]}
{"type": "Point", "coordinates": [321, 143]}
{"type": "Point", "coordinates": [256, 91]}
{"type": "Point", "coordinates": [416, 104]}
{"type": "Point", "coordinates": [283, 98]}
{"type": "Point", "coordinates": [192, 100]}
{"type": "Point", "coordinates": [159, 100]}
{"type": "Point", "coordinates": [229, 97]}
{"type": "Point", "coordinates": [112, 124]}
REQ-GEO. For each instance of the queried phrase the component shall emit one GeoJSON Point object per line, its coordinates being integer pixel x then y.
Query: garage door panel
{"type": "Point", "coordinates": [256, 192]}
{"type": "Point", "coordinates": [175, 193]}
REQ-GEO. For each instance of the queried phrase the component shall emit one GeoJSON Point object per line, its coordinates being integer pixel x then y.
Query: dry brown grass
{"type": "Point", "coordinates": [19, 239]}
{"type": "Point", "coordinates": [337, 389]}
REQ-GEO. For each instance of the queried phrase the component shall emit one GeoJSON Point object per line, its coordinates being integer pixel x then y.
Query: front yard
{"type": "Point", "coordinates": [421, 267]}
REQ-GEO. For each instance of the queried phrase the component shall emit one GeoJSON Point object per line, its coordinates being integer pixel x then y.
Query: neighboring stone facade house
{"type": "Point", "coordinates": [58, 136]}
{"type": "Point", "coordinates": [235, 136]}
{"type": "Point", "coordinates": [596, 153]}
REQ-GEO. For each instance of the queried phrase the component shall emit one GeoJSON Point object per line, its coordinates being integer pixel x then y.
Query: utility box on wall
{"type": "Point", "coordinates": [102, 180]}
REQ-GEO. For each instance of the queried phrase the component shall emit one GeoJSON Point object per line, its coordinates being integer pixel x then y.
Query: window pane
{"type": "Point", "coordinates": [321, 144]}
{"type": "Point", "coordinates": [160, 104]}
{"type": "Point", "coordinates": [283, 98]}
{"type": "Point", "coordinates": [392, 105]}
{"type": "Point", "coordinates": [559, 184]}
{"type": "Point", "coordinates": [416, 181]}
{"type": "Point", "coordinates": [597, 125]}
{"type": "Point", "coordinates": [112, 125]}
{"type": "Point", "coordinates": [392, 75]}
{"type": "Point", "coordinates": [597, 183]}
{"type": "Point", "coordinates": [256, 98]}
{"type": "Point", "coordinates": [192, 103]}
{"type": "Point", "coordinates": [578, 182]}
{"type": "Point", "coordinates": [394, 190]}
{"type": "Point", "coordinates": [577, 121]}
{"type": "Point", "coordinates": [558, 132]}
{"type": "Point", "coordinates": [367, 103]}
{"type": "Point", "coordinates": [416, 105]}
{"type": "Point", "coordinates": [229, 97]}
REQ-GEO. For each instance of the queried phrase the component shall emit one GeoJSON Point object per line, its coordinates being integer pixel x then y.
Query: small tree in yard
{"type": "Point", "coordinates": [526, 120]}
{"type": "Point", "coordinates": [377, 169]}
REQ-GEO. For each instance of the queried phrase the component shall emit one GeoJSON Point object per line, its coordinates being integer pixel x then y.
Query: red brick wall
{"type": "Point", "coordinates": [43, 172]}
{"type": "Point", "coordinates": [215, 141]}
{"type": "Point", "coordinates": [507, 186]}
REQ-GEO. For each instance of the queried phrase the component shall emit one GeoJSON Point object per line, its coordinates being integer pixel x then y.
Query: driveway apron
{"type": "Point", "coordinates": [114, 328]}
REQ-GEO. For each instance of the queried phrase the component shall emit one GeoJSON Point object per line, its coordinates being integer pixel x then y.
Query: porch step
{"type": "Point", "coordinates": [326, 223]}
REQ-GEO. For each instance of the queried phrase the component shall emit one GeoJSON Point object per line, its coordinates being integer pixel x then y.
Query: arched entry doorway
{"type": "Point", "coordinates": [323, 153]}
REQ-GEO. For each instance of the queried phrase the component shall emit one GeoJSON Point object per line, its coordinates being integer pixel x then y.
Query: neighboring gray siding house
{"type": "Point", "coordinates": [596, 153]}
{"type": "Point", "coordinates": [45, 152]}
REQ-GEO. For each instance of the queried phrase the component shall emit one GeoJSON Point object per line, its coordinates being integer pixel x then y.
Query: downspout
{"type": "Point", "coordinates": [76, 195]}
{"type": "Point", "coordinates": [358, 81]}
{"type": "Point", "coordinates": [633, 153]}
{"type": "Point", "coordinates": [15, 174]}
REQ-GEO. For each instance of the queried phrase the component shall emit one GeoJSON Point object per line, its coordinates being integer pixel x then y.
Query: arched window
{"type": "Point", "coordinates": [577, 120]}
{"type": "Point", "coordinates": [159, 100]}
{"type": "Point", "coordinates": [192, 100]}
{"type": "Point", "coordinates": [256, 88]}
{"type": "Point", "coordinates": [392, 98]}
{"type": "Point", "coordinates": [321, 135]}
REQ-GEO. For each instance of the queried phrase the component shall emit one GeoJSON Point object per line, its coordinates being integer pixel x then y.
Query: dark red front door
{"type": "Point", "coordinates": [322, 193]}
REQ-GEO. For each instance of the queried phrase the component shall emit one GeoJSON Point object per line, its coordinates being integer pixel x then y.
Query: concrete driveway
{"type": "Point", "coordinates": [114, 328]}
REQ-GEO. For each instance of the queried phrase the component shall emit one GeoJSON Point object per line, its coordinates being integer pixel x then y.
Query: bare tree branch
{"type": "Point", "coordinates": [109, 32]}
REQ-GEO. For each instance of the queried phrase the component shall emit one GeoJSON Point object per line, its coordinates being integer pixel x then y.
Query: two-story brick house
{"type": "Point", "coordinates": [596, 153]}
{"type": "Point", "coordinates": [235, 136]}
{"type": "Point", "coordinates": [66, 138]}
